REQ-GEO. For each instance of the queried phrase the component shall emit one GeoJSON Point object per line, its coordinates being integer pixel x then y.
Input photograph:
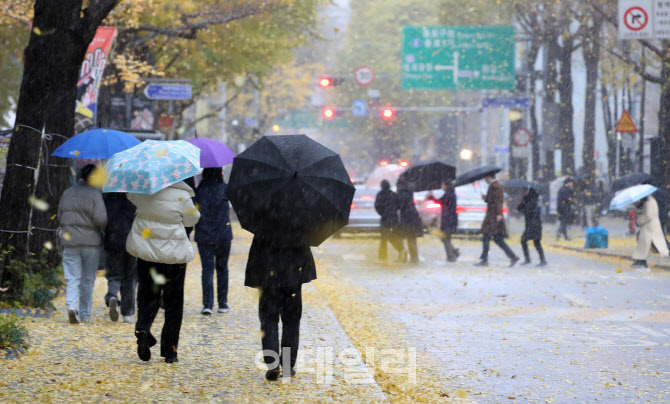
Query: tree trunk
{"type": "Point", "coordinates": [535, 141]}
{"type": "Point", "coordinates": [53, 57]}
{"type": "Point", "coordinates": [664, 122]}
{"type": "Point", "coordinates": [591, 52]}
{"type": "Point", "coordinates": [609, 132]}
{"type": "Point", "coordinates": [566, 112]}
{"type": "Point", "coordinates": [550, 81]}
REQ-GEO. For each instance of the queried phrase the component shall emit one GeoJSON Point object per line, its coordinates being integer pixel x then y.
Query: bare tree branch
{"type": "Point", "coordinates": [215, 112]}
{"type": "Point", "coordinates": [638, 69]}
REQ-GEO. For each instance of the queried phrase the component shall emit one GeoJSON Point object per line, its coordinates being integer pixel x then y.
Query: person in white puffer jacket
{"type": "Point", "coordinates": [158, 240]}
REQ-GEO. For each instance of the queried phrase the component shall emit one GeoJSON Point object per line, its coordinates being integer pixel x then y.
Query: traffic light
{"type": "Point", "coordinates": [328, 113]}
{"type": "Point", "coordinates": [388, 113]}
{"type": "Point", "coordinates": [328, 81]}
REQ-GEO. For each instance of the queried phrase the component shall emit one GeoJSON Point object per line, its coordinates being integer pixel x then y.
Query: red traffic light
{"type": "Point", "coordinates": [325, 82]}
{"type": "Point", "coordinates": [328, 113]}
{"type": "Point", "coordinates": [387, 113]}
{"type": "Point", "coordinates": [403, 163]}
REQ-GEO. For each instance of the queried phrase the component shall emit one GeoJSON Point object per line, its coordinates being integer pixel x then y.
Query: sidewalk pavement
{"type": "Point", "coordinates": [97, 361]}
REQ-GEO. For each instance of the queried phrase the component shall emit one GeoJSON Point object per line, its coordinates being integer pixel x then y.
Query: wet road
{"type": "Point", "coordinates": [581, 329]}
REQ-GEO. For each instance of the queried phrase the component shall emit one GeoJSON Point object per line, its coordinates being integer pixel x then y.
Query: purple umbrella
{"type": "Point", "coordinates": [212, 152]}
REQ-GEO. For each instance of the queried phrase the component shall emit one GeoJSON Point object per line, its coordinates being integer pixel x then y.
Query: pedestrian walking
{"type": "Point", "coordinates": [82, 217]}
{"type": "Point", "coordinates": [566, 207]}
{"type": "Point", "coordinates": [214, 235]}
{"type": "Point", "coordinates": [411, 225]}
{"type": "Point", "coordinates": [279, 267]}
{"type": "Point", "coordinates": [448, 218]}
{"type": "Point", "coordinates": [158, 240]}
{"type": "Point", "coordinates": [121, 267]}
{"type": "Point", "coordinates": [531, 209]}
{"type": "Point", "coordinates": [651, 232]}
{"type": "Point", "coordinates": [493, 226]}
{"type": "Point", "coordinates": [386, 205]}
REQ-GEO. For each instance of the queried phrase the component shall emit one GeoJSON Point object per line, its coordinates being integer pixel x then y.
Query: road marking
{"type": "Point", "coordinates": [646, 330]}
{"type": "Point", "coordinates": [576, 300]}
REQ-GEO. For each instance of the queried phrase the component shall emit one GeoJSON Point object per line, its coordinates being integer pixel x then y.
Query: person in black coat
{"type": "Point", "coordinates": [121, 272]}
{"type": "Point", "coordinates": [214, 236]}
{"type": "Point", "coordinates": [566, 207]}
{"type": "Point", "coordinates": [411, 225]}
{"type": "Point", "coordinates": [386, 204]}
{"type": "Point", "coordinates": [278, 266]}
{"type": "Point", "coordinates": [448, 219]}
{"type": "Point", "coordinates": [530, 208]}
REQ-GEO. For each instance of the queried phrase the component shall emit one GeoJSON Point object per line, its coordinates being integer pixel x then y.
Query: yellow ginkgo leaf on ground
{"type": "Point", "coordinates": [619, 270]}
{"type": "Point", "coordinates": [461, 394]}
{"type": "Point", "coordinates": [38, 204]}
{"type": "Point", "coordinates": [146, 233]}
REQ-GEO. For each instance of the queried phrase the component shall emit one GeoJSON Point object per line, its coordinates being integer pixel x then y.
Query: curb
{"type": "Point", "coordinates": [605, 254]}
{"type": "Point", "coordinates": [28, 312]}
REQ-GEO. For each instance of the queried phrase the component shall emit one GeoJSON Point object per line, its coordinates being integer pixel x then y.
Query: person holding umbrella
{"type": "Point", "coordinates": [566, 207]}
{"type": "Point", "coordinates": [493, 226]}
{"type": "Point", "coordinates": [650, 233]}
{"type": "Point", "coordinates": [531, 209]}
{"type": "Point", "coordinates": [292, 193]}
{"type": "Point", "coordinates": [411, 225]}
{"type": "Point", "coordinates": [386, 204]}
{"type": "Point", "coordinates": [449, 218]}
{"type": "Point", "coordinates": [213, 235]}
{"type": "Point", "coordinates": [152, 173]}
{"type": "Point", "coordinates": [82, 217]}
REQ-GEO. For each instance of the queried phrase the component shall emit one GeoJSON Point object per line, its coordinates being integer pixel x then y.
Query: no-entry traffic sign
{"type": "Point", "coordinates": [364, 75]}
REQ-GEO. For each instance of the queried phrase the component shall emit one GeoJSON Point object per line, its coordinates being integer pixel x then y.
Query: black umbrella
{"type": "Point", "coordinates": [630, 180]}
{"type": "Point", "coordinates": [428, 176]}
{"type": "Point", "coordinates": [291, 189]}
{"type": "Point", "coordinates": [476, 175]}
{"type": "Point", "coordinates": [519, 184]}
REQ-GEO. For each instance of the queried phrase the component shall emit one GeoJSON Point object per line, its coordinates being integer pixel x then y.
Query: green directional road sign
{"type": "Point", "coordinates": [458, 58]}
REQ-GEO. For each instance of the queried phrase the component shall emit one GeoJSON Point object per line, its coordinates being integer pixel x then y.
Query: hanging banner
{"type": "Point", "coordinates": [92, 70]}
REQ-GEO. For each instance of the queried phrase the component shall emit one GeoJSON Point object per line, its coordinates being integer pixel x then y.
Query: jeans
{"type": "Point", "coordinates": [121, 276]}
{"type": "Point", "coordinates": [80, 265]}
{"type": "Point", "coordinates": [214, 256]}
{"type": "Point", "coordinates": [498, 239]}
{"type": "Point", "coordinates": [148, 301]}
{"type": "Point", "coordinates": [286, 302]}
{"type": "Point", "coordinates": [388, 236]}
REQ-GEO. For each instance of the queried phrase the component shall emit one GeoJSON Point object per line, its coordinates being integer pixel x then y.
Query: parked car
{"type": "Point", "coordinates": [470, 207]}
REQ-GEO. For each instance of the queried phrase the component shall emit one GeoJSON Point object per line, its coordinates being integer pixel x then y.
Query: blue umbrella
{"type": "Point", "coordinates": [151, 166]}
{"type": "Point", "coordinates": [631, 195]}
{"type": "Point", "coordinates": [96, 144]}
